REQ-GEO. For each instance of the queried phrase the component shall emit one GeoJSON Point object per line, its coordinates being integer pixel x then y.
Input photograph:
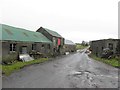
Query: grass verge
{"type": "Point", "coordinates": [8, 69]}
{"type": "Point", "coordinates": [115, 62]}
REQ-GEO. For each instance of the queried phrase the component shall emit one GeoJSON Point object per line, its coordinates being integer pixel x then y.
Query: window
{"type": "Point", "coordinates": [54, 41]}
{"type": "Point", "coordinates": [42, 45]}
{"type": "Point", "coordinates": [110, 46]}
{"type": "Point", "coordinates": [33, 46]}
{"type": "Point", "coordinates": [24, 49]}
{"type": "Point", "coordinates": [12, 47]}
{"type": "Point", "coordinates": [102, 48]}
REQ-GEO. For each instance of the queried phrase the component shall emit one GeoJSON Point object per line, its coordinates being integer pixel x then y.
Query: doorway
{"type": "Point", "coordinates": [24, 49]}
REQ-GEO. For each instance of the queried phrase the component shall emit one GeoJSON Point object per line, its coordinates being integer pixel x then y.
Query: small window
{"type": "Point", "coordinates": [12, 47]}
{"type": "Point", "coordinates": [42, 45]}
{"type": "Point", "coordinates": [110, 46]}
{"type": "Point", "coordinates": [102, 48]}
{"type": "Point", "coordinates": [54, 41]}
{"type": "Point", "coordinates": [33, 46]}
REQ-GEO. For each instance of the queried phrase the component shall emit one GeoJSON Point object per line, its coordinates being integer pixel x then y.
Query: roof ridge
{"type": "Point", "coordinates": [52, 32]}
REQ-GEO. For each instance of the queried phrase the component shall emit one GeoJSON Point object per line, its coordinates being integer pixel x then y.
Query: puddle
{"type": "Point", "coordinates": [89, 75]}
{"type": "Point", "coordinates": [76, 73]}
{"type": "Point", "coordinates": [80, 72]}
{"type": "Point", "coordinates": [89, 72]}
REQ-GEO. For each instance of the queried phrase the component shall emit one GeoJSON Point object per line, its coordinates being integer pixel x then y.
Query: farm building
{"type": "Point", "coordinates": [57, 40]}
{"type": "Point", "coordinates": [98, 46]}
{"type": "Point", "coordinates": [21, 41]}
{"type": "Point", "coordinates": [69, 46]}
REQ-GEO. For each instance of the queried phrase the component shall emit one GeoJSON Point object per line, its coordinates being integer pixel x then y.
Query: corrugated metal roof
{"type": "Point", "coordinates": [53, 33]}
{"type": "Point", "coordinates": [69, 42]}
{"type": "Point", "coordinates": [19, 34]}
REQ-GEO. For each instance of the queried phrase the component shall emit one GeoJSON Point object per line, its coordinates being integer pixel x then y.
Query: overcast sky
{"type": "Point", "coordinates": [76, 20]}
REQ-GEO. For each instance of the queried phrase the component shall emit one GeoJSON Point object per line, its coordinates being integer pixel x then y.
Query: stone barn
{"type": "Point", "coordinates": [57, 40]}
{"type": "Point", "coordinates": [98, 46]}
{"type": "Point", "coordinates": [23, 41]}
{"type": "Point", "coordinates": [69, 46]}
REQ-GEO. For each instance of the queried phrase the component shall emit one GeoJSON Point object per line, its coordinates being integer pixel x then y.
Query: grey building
{"type": "Point", "coordinates": [56, 39]}
{"type": "Point", "coordinates": [98, 46]}
{"type": "Point", "coordinates": [23, 41]}
{"type": "Point", "coordinates": [69, 46]}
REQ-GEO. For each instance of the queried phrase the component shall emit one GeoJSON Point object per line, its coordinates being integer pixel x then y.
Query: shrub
{"type": "Point", "coordinates": [49, 55]}
{"type": "Point", "coordinates": [107, 53]}
{"type": "Point", "coordinates": [9, 59]}
{"type": "Point", "coordinates": [37, 55]}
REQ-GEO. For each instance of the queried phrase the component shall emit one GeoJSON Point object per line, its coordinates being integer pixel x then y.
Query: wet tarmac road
{"type": "Point", "coordinates": [70, 71]}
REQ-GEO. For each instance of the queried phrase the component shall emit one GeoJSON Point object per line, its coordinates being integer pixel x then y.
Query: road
{"type": "Point", "coordinates": [71, 71]}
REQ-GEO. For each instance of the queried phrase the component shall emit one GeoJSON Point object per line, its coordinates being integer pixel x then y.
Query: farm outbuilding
{"type": "Point", "coordinates": [69, 46]}
{"type": "Point", "coordinates": [56, 39]}
{"type": "Point", "coordinates": [23, 41]}
{"type": "Point", "coordinates": [98, 46]}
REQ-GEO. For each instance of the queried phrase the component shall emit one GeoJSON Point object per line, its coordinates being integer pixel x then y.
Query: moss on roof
{"type": "Point", "coordinates": [18, 34]}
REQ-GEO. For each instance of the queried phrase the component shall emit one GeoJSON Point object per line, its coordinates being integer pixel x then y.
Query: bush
{"type": "Point", "coordinates": [107, 53]}
{"type": "Point", "coordinates": [9, 59]}
{"type": "Point", "coordinates": [50, 55]}
{"type": "Point", "coordinates": [35, 54]}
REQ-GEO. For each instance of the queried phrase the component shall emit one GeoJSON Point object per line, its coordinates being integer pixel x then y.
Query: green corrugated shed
{"type": "Point", "coordinates": [18, 34]}
{"type": "Point", "coordinates": [53, 33]}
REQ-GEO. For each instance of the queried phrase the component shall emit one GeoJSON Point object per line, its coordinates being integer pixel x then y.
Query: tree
{"type": "Point", "coordinates": [83, 43]}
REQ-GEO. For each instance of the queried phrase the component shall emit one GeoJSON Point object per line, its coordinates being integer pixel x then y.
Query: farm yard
{"type": "Point", "coordinates": [29, 58]}
{"type": "Point", "coordinates": [67, 44]}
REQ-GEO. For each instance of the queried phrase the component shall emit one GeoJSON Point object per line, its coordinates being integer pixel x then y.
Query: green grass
{"type": "Point", "coordinates": [113, 62]}
{"type": "Point", "coordinates": [80, 46]}
{"type": "Point", "coordinates": [8, 69]}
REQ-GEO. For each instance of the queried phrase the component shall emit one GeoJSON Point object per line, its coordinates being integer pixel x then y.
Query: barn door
{"type": "Point", "coordinates": [24, 50]}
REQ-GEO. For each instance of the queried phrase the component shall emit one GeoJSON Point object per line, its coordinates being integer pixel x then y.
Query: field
{"type": "Point", "coordinates": [79, 46]}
